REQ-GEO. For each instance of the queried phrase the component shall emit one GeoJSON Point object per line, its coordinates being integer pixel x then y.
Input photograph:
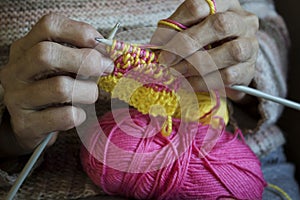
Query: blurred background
{"type": "Point", "coordinates": [290, 120]}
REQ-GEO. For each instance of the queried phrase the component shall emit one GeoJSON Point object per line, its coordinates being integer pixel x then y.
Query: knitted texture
{"type": "Point", "coordinates": [140, 18]}
{"type": "Point", "coordinates": [138, 79]}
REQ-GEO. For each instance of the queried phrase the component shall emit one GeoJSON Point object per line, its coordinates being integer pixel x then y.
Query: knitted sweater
{"type": "Point", "coordinates": [60, 175]}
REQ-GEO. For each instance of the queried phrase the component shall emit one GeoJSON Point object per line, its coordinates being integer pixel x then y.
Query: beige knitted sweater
{"type": "Point", "coordinates": [60, 175]}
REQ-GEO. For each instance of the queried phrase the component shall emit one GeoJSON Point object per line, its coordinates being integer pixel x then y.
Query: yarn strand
{"type": "Point", "coordinates": [281, 191]}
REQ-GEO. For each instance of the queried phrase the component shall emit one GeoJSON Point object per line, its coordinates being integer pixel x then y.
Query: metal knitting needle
{"type": "Point", "coordinates": [104, 41]}
{"type": "Point", "coordinates": [109, 42]}
{"type": "Point", "coordinates": [28, 167]}
{"type": "Point", "coordinates": [111, 35]}
{"type": "Point", "coordinates": [114, 31]}
{"type": "Point", "coordinates": [241, 88]}
{"type": "Point", "coordinates": [257, 93]}
{"type": "Point", "coordinates": [41, 147]}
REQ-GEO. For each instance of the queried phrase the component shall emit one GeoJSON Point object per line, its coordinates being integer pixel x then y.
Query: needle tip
{"type": "Point", "coordinates": [104, 41]}
{"type": "Point", "coordinates": [98, 39]}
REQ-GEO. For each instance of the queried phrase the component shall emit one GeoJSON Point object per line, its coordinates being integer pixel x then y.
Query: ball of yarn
{"type": "Point", "coordinates": [131, 158]}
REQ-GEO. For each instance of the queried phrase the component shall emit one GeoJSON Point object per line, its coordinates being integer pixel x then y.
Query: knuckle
{"type": "Point", "coordinates": [62, 88]}
{"type": "Point", "coordinates": [49, 22]}
{"type": "Point", "coordinates": [193, 7]}
{"type": "Point", "coordinates": [86, 32]}
{"type": "Point", "coordinates": [229, 76]}
{"type": "Point", "coordinates": [222, 25]}
{"type": "Point", "coordinates": [43, 53]}
{"type": "Point", "coordinates": [240, 50]}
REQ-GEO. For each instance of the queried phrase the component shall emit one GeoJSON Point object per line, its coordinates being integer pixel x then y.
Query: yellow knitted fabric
{"type": "Point", "coordinates": [143, 83]}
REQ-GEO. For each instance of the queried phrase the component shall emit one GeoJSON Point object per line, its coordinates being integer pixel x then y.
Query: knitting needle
{"type": "Point", "coordinates": [241, 88]}
{"type": "Point", "coordinates": [38, 151]}
{"type": "Point", "coordinates": [28, 167]}
{"type": "Point", "coordinates": [104, 41]}
{"type": "Point", "coordinates": [266, 96]}
{"type": "Point", "coordinates": [114, 31]}
{"type": "Point", "coordinates": [109, 42]}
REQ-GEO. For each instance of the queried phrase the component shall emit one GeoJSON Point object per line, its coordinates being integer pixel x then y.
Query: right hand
{"type": "Point", "coordinates": [41, 104]}
{"type": "Point", "coordinates": [232, 59]}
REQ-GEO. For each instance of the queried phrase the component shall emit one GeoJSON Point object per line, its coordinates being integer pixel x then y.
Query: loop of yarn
{"type": "Point", "coordinates": [230, 169]}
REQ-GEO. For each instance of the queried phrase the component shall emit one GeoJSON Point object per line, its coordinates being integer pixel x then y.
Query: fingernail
{"type": "Point", "coordinates": [80, 116]}
{"type": "Point", "coordinates": [96, 93]}
{"type": "Point", "coordinates": [167, 58]}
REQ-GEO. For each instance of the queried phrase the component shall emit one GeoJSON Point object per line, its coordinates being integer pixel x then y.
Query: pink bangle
{"type": "Point", "coordinates": [172, 24]}
{"type": "Point", "coordinates": [176, 23]}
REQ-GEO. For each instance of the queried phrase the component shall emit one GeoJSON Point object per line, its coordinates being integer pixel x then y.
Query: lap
{"type": "Point", "coordinates": [279, 174]}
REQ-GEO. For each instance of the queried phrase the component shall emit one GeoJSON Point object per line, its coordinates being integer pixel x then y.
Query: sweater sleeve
{"type": "Point", "coordinates": [262, 134]}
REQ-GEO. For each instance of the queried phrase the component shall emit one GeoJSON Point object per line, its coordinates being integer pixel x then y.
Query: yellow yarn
{"type": "Point", "coordinates": [281, 191]}
{"type": "Point", "coordinates": [145, 99]}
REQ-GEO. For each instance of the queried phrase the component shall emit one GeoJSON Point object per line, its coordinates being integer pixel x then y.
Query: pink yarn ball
{"type": "Point", "coordinates": [133, 166]}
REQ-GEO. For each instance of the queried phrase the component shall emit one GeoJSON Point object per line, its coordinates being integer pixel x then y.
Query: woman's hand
{"type": "Point", "coordinates": [232, 33]}
{"type": "Point", "coordinates": [39, 80]}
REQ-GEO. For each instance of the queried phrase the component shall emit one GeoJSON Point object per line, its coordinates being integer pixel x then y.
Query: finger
{"type": "Point", "coordinates": [39, 124]}
{"type": "Point", "coordinates": [56, 119]}
{"type": "Point", "coordinates": [50, 56]}
{"type": "Point", "coordinates": [189, 13]}
{"type": "Point", "coordinates": [193, 11]}
{"type": "Point", "coordinates": [200, 63]}
{"type": "Point", "coordinates": [29, 143]}
{"type": "Point", "coordinates": [234, 52]}
{"type": "Point", "coordinates": [215, 28]}
{"type": "Point", "coordinates": [234, 95]}
{"type": "Point", "coordinates": [162, 35]}
{"type": "Point", "coordinates": [58, 28]}
{"type": "Point", "coordinates": [57, 90]}
{"type": "Point", "coordinates": [240, 74]}
{"type": "Point", "coordinates": [230, 53]}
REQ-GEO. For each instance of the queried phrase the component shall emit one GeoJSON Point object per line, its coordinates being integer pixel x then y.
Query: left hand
{"type": "Point", "coordinates": [233, 59]}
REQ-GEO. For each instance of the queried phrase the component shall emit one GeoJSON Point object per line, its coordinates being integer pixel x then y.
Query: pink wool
{"type": "Point", "coordinates": [134, 160]}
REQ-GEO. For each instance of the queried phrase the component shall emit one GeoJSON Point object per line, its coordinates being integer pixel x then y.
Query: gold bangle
{"type": "Point", "coordinates": [169, 24]}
